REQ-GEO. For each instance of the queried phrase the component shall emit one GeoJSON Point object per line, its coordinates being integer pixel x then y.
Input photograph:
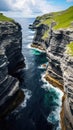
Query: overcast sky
{"type": "Point", "coordinates": [33, 7]}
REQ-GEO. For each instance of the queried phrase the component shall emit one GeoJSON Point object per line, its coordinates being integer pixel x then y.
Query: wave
{"type": "Point", "coordinates": [56, 100]}
{"type": "Point", "coordinates": [30, 37]}
{"type": "Point", "coordinates": [31, 32]}
{"type": "Point", "coordinates": [29, 46]}
{"type": "Point", "coordinates": [54, 116]}
{"type": "Point", "coordinates": [28, 94]}
{"type": "Point", "coordinates": [35, 51]}
{"type": "Point", "coordinates": [48, 84]}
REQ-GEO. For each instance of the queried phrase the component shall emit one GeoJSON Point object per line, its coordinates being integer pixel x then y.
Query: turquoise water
{"type": "Point", "coordinates": [35, 52]}
{"type": "Point", "coordinates": [41, 107]}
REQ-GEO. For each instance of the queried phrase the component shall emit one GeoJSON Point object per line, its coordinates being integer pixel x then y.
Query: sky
{"type": "Point", "coordinates": [31, 8]}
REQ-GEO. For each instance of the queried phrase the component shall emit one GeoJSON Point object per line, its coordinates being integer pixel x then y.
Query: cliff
{"type": "Point", "coordinates": [11, 60]}
{"type": "Point", "coordinates": [58, 47]}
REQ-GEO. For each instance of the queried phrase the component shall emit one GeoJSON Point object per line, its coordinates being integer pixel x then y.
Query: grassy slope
{"type": "Point", "coordinates": [70, 48]}
{"type": "Point", "coordinates": [63, 19]}
{"type": "Point", "coordinates": [4, 18]}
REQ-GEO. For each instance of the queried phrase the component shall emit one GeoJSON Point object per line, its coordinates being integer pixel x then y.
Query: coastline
{"type": "Point", "coordinates": [59, 50]}
{"type": "Point", "coordinates": [11, 62]}
{"type": "Point", "coordinates": [12, 104]}
{"type": "Point", "coordinates": [55, 84]}
{"type": "Point", "coordinates": [39, 48]}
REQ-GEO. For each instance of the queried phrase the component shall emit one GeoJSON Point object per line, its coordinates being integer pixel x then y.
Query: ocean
{"type": "Point", "coordinates": [41, 107]}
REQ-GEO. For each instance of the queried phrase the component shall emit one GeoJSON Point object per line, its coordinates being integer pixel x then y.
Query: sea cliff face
{"type": "Point", "coordinates": [11, 40]}
{"type": "Point", "coordinates": [59, 71]}
{"type": "Point", "coordinates": [11, 60]}
{"type": "Point", "coordinates": [67, 69]}
{"type": "Point", "coordinates": [38, 38]}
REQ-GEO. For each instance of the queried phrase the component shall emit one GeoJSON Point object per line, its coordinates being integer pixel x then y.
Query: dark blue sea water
{"type": "Point", "coordinates": [41, 107]}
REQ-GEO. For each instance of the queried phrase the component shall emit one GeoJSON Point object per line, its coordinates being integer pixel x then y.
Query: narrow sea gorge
{"type": "Point", "coordinates": [42, 104]}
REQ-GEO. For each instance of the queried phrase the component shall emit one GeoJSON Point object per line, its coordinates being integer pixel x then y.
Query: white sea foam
{"type": "Point", "coordinates": [31, 32]}
{"type": "Point", "coordinates": [54, 115]}
{"type": "Point", "coordinates": [41, 67]}
{"type": "Point", "coordinates": [43, 79]}
{"type": "Point", "coordinates": [26, 65]}
{"type": "Point", "coordinates": [30, 36]}
{"type": "Point", "coordinates": [48, 84]}
{"type": "Point", "coordinates": [29, 45]}
{"type": "Point", "coordinates": [33, 48]}
{"type": "Point", "coordinates": [28, 94]}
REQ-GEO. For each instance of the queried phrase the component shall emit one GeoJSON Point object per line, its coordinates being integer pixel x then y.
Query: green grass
{"type": "Point", "coordinates": [63, 19]}
{"type": "Point", "coordinates": [45, 36]}
{"type": "Point", "coordinates": [70, 48]}
{"type": "Point", "coordinates": [4, 18]}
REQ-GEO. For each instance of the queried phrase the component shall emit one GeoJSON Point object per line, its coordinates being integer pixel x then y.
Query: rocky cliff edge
{"type": "Point", "coordinates": [11, 60]}
{"type": "Point", "coordinates": [60, 58]}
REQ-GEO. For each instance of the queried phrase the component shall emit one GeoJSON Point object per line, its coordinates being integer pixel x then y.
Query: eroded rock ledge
{"type": "Point", "coordinates": [11, 60]}
{"type": "Point", "coordinates": [60, 67]}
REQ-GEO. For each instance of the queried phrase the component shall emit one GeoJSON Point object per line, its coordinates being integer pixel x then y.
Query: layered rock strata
{"type": "Point", "coordinates": [67, 69]}
{"type": "Point", "coordinates": [38, 41]}
{"type": "Point", "coordinates": [59, 72]}
{"type": "Point", "coordinates": [11, 60]}
{"type": "Point", "coordinates": [11, 39]}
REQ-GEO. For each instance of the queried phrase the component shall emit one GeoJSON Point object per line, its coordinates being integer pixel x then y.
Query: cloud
{"type": "Point", "coordinates": [4, 6]}
{"type": "Point", "coordinates": [29, 7]}
{"type": "Point", "coordinates": [69, 0]}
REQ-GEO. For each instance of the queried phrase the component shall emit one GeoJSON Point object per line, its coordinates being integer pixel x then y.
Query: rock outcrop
{"type": "Point", "coordinates": [59, 72]}
{"type": "Point", "coordinates": [11, 40]}
{"type": "Point", "coordinates": [38, 38]}
{"type": "Point", "coordinates": [11, 60]}
{"type": "Point", "coordinates": [67, 69]}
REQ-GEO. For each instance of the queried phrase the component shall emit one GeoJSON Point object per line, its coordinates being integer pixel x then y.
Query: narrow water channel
{"type": "Point", "coordinates": [41, 107]}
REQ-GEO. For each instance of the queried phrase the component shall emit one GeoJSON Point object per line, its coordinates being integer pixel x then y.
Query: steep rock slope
{"type": "Point", "coordinates": [11, 60]}
{"type": "Point", "coordinates": [67, 69]}
{"type": "Point", "coordinates": [38, 38]}
{"type": "Point", "coordinates": [59, 72]}
{"type": "Point", "coordinates": [11, 40]}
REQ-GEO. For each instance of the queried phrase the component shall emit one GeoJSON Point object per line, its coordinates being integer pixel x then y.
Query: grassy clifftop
{"type": "Point", "coordinates": [62, 19]}
{"type": "Point", "coordinates": [4, 18]}
{"type": "Point", "coordinates": [58, 20]}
